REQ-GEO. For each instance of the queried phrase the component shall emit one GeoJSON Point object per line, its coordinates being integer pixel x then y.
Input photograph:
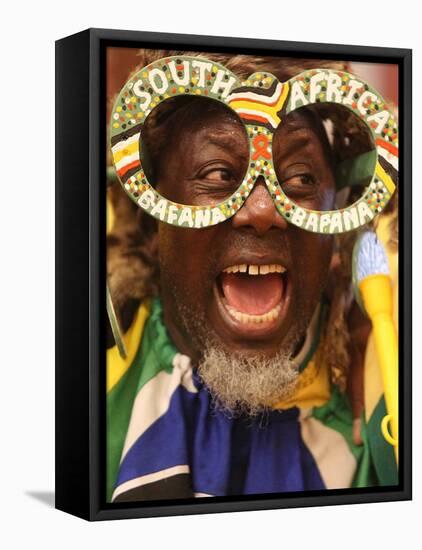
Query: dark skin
{"type": "Point", "coordinates": [210, 151]}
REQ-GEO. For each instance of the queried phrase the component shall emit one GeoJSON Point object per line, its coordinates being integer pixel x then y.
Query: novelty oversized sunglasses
{"type": "Point", "coordinates": [261, 103]}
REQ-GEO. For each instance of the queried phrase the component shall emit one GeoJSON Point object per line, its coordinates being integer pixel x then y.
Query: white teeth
{"type": "Point", "coordinates": [253, 269]}
{"type": "Point", "coordinates": [254, 319]}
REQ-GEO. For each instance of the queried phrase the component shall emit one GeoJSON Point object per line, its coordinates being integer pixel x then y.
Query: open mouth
{"type": "Point", "coordinates": [252, 298]}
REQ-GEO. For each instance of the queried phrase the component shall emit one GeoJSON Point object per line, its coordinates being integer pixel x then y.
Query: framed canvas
{"type": "Point", "coordinates": [231, 333]}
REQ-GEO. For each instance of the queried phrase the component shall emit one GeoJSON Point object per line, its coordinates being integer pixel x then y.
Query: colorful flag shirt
{"type": "Point", "coordinates": [166, 439]}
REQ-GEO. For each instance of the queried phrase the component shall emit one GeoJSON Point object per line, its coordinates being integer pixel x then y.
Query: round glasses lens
{"type": "Point", "coordinates": [324, 156]}
{"type": "Point", "coordinates": [194, 150]}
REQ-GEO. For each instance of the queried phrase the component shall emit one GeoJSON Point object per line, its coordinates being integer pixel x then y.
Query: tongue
{"type": "Point", "coordinates": [252, 294]}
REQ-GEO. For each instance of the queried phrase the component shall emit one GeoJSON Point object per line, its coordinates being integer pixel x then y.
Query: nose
{"type": "Point", "coordinates": [259, 211]}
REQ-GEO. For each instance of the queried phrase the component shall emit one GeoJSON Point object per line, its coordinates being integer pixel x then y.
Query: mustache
{"type": "Point", "coordinates": [274, 239]}
{"type": "Point", "coordinates": [274, 243]}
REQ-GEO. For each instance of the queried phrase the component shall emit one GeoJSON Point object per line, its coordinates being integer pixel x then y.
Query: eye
{"type": "Point", "coordinates": [217, 180]}
{"type": "Point", "coordinates": [300, 180]}
{"type": "Point", "coordinates": [301, 187]}
{"type": "Point", "coordinates": [218, 174]}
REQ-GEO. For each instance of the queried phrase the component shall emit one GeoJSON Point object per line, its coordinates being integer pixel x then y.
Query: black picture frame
{"type": "Point", "coordinates": [80, 269]}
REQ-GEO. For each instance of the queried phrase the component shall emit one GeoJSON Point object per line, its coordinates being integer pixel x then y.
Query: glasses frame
{"type": "Point", "coordinates": [261, 101]}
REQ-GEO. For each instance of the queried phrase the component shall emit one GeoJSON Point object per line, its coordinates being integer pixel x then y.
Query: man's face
{"type": "Point", "coordinates": [250, 284]}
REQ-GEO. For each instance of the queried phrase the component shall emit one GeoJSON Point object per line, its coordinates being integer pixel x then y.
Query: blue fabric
{"type": "Point", "coordinates": [226, 456]}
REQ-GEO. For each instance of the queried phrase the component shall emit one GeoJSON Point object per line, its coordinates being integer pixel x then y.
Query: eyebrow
{"type": "Point", "coordinates": [224, 139]}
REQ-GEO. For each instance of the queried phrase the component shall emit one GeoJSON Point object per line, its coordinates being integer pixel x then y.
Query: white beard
{"type": "Point", "coordinates": [247, 384]}
{"type": "Point", "coordinates": [244, 383]}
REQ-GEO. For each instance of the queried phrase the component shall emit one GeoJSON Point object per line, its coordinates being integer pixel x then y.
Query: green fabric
{"type": "Point", "coordinates": [356, 171]}
{"type": "Point", "coordinates": [365, 475]}
{"type": "Point", "coordinates": [337, 415]}
{"type": "Point", "coordinates": [381, 451]}
{"type": "Point", "coordinates": [155, 353]}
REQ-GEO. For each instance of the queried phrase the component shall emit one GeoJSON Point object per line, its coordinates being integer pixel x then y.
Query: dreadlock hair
{"type": "Point", "coordinates": [132, 266]}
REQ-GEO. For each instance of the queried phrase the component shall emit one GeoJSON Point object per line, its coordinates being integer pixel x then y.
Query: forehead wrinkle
{"type": "Point", "coordinates": [226, 139]}
{"type": "Point", "coordinates": [297, 138]}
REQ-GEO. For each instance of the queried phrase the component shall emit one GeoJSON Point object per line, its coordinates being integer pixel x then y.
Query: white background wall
{"type": "Point", "coordinates": [27, 35]}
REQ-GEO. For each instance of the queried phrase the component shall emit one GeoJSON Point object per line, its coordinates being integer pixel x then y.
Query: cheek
{"type": "Point", "coordinates": [315, 261]}
{"type": "Point", "coordinates": [173, 247]}
{"type": "Point", "coordinates": [185, 259]}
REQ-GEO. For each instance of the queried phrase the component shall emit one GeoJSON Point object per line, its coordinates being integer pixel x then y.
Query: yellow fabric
{"type": "Point", "coordinates": [313, 387]}
{"type": "Point", "coordinates": [116, 365]}
{"type": "Point", "coordinates": [373, 387]}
